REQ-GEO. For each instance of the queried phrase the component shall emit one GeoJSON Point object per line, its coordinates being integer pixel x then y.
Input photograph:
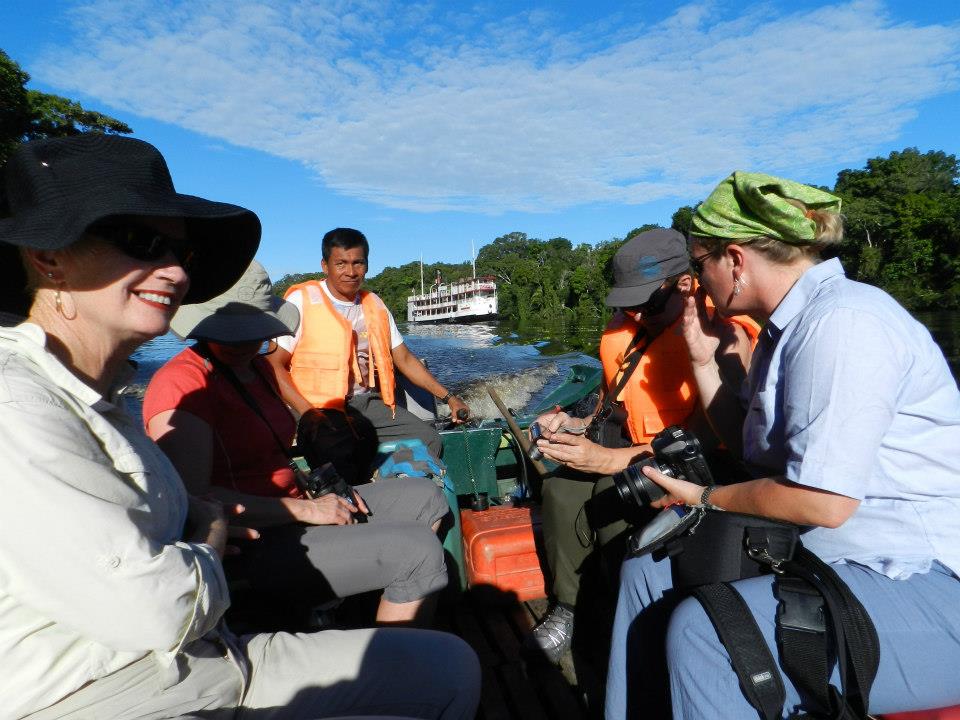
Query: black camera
{"type": "Point", "coordinates": [677, 454]}
{"type": "Point", "coordinates": [324, 480]}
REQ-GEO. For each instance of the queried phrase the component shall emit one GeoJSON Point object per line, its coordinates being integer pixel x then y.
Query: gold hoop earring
{"type": "Point", "coordinates": [58, 301]}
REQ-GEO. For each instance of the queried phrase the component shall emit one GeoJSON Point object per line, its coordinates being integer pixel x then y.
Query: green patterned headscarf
{"type": "Point", "coordinates": [749, 205]}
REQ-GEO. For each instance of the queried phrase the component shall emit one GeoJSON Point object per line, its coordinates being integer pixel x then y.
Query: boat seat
{"type": "Point", "coordinates": [950, 713]}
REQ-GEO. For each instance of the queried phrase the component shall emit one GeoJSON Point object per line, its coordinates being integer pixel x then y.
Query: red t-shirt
{"type": "Point", "coordinates": [245, 454]}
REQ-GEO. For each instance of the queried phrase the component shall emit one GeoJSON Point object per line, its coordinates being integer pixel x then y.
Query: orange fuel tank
{"type": "Point", "coordinates": [500, 549]}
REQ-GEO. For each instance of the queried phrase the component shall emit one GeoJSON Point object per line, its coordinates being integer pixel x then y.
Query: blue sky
{"type": "Point", "coordinates": [429, 125]}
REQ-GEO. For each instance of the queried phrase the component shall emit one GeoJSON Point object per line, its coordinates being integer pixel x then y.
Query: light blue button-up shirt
{"type": "Point", "coordinates": [848, 393]}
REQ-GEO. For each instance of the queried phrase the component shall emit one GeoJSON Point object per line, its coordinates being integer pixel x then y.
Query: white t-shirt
{"type": "Point", "coordinates": [353, 312]}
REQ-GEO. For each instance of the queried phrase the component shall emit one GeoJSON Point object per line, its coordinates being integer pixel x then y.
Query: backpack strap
{"type": "Point", "coordinates": [807, 654]}
{"type": "Point", "coordinates": [641, 341]}
{"type": "Point", "coordinates": [819, 621]}
{"type": "Point", "coordinates": [738, 631]}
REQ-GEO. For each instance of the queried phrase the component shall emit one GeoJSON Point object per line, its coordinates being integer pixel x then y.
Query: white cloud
{"type": "Point", "coordinates": [417, 107]}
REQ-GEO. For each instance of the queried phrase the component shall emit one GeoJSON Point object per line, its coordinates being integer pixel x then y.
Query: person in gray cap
{"type": "Point", "coordinates": [648, 385]}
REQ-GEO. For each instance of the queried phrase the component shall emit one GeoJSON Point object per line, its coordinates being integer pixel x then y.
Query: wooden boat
{"type": "Point", "coordinates": [486, 459]}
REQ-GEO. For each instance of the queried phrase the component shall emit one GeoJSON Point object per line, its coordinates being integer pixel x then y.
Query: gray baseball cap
{"type": "Point", "coordinates": [643, 263]}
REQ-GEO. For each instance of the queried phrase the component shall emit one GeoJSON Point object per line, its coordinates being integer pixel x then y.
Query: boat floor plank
{"type": "Point", "coordinates": [516, 685]}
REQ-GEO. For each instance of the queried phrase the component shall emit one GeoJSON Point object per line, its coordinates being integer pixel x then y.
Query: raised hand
{"type": "Point", "coordinates": [699, 330]}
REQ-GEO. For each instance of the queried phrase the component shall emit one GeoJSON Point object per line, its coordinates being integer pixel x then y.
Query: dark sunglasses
{"type": "Point", "coordinates": [697, 263]}
{"type": "Point", "coordinates": [146, 244]}
{"type": "Point", "coordinates": [656, 302]}
{"type": "Point", "coordinates": [266, 347]}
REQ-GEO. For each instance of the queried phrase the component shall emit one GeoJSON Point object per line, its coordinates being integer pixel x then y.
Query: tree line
{"type": "Point", "coordinates": [32, 115]}
{"type": "Point", "coordinates": [902, 227]}
{"type": "Point", "coordinates": [902, 218]}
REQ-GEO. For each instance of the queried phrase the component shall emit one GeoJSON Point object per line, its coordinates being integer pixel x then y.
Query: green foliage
{"type": "Point", "coordinates": [394, 285]}
{"type": "Point", "coordinates": [642, 229]}
{"type": "Point", "coordinates": [55, 116]}
{"type": "Point", "coordinates": [902, 221]}
{"type": "Point", "coordinates": [281, 286]}
{"type": "Point", "coordinates": [15, 111]}
{"type": "Point", "coordinates": [31, 114]}
{"type": "Point", "coordinates": [682, 219]}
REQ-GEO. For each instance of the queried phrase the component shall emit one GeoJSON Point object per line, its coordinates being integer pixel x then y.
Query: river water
{"type": "Point", "coordinates": [522, 363]}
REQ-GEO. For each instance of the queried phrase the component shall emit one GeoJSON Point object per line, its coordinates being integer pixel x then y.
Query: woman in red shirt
{"type": "Point", "coordinates": [216, 411]}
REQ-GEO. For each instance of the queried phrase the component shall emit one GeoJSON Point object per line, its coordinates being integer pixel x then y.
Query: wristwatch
{"type": "Point", "coordinates": [446, 398]}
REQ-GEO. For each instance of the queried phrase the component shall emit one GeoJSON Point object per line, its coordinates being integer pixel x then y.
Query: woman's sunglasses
{"type": "Point", "coordinates": [656, 302]}
{"type": "Point", "coordinates": [264, 347]}
{"type": "Point", "coordinates": [146, 244]}
{"type": "Point", "coordinates": [697, 263]}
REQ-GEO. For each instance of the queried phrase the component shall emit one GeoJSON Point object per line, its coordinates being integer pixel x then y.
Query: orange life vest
{"type": "Point", "coordinates": [326, 352]}
{"type": "Point", "coordinates": [661, 391]}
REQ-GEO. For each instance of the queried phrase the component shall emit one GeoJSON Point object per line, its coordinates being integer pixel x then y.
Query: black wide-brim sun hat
{"type": "Point", "coordinates": [57, 188]}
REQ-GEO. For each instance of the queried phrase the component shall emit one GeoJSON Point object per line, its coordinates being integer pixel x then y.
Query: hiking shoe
{"type": "Point", "coordinates": [553, 634]}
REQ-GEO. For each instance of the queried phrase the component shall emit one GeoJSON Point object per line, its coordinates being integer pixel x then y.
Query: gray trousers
{"type": "Point", "coordinates": [394, 672]}
{"type": "Point", "coordinates": [388, 427]}
{"type": "Point", "coordinates": [396, 550]}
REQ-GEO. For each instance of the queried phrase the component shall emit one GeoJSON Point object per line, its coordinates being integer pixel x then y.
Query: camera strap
{"type": "Point", "coordinates": [231, 377]}
{"type": "Point", "coordinates": [751, 658]}
{"type": "Point", "coordinates": [641, 341]}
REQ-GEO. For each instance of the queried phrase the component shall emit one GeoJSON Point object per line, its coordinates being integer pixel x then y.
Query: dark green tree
{"type": "Point", "coordinates": [682, 219]}
{"type": "Point", "coordinates": [642, 229]}
{"type": "Point", "coordinates": [16, 114]}
{"type": "Point", "coordinates": [31, 114]}
{"type": "Point", "coordinates": [902, 221]}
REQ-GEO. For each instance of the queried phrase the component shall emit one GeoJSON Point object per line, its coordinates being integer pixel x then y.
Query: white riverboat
{"type": "Point", "coordinates": [463, 300]}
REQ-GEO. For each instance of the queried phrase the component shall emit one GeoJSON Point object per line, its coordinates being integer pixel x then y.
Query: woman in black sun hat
{"type": "Point", "coordinates": [111, 582]}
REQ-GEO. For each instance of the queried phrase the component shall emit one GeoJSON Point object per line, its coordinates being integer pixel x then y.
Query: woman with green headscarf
{"type": "Point", "coordinates": [849, 422]}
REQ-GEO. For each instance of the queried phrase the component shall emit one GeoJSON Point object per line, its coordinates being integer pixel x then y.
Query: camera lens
{"type": "Point", "coordinates": [635, 488]}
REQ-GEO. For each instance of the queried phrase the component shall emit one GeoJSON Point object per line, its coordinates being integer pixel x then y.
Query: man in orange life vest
{"type": "Point", "coordinates": [337, 372]}
{"type": "Point", "coordinates": [651, 279]}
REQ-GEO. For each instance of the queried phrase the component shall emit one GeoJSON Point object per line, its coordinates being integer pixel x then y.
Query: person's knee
{"type": "Point", "coordinates": [432, 440]}
{"type": "Point", "coordinates": [691, 638]}
{"type": "Point", "coordinates": [430, 498]}
{"type": "Point", "coordinates": [553, 493]}
{"type": "Point", "coordinates": [458, 657]}
{"type": "Point", "coordinates": [441, 665]}
{"type": "Point", "coordinates": [419, 567]}
{"type": "Point", "coordinates": [456, 668]}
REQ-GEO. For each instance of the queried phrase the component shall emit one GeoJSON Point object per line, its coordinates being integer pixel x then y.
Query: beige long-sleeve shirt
{"type": "Point", "coordinates": [92, 573]}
